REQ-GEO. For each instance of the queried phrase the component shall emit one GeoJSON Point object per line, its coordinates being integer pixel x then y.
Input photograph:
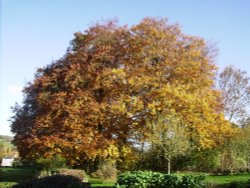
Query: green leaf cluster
{"type": "Point", "coordinates": [148, 179]}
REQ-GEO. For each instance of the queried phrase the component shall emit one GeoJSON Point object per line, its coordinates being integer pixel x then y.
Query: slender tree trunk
{"type": "Point", "coordinates": [248, 164]}
{"type": "Point", "coordinates": [88, 168]}
{"type": "Point", "coordinates": [141, 155]}
{"type": "Point", "coordinates": [169, 164]}
{"type": "Point", "coordinates": [231, 116]}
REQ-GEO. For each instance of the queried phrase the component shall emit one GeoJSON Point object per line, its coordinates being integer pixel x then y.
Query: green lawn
{"type": "Point", "coordinates": [223, 181]}
{"type": "Point", "coordinates": [98, 183]}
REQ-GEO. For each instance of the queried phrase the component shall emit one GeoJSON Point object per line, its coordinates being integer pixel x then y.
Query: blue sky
{"type": "Point", "coordinates": [33, 33]}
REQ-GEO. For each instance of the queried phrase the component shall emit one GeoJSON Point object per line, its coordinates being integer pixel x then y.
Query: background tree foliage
{"type": "Point", "coordinates": [97, 100]}
{"type": "Point", "coordinates": [7, 149]}
{"type": "Point", "coordinates": [235, 86]}
{"type": "Point", "coordinates": [234, 156]}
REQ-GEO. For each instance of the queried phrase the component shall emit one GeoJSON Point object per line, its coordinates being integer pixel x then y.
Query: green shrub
{"type": "Point", "coordinates": [170, 181]}
{"type": "Point", "coordinates": [55, 181]}
{"type": "Point", "coordinates": [148, 179]}
{"type": "Point", "coordinates": [154, 179]}
{"type": "Point", "coordinates": [139, 179]}
{"type": "Point", "coordinates": [19, 162]}
{"type": "Point", "coordinates": [47, 165]}
{"type": "Point", "coordinates": [50, 163]}
{"type": "Point", "coordinates": [197, 181]}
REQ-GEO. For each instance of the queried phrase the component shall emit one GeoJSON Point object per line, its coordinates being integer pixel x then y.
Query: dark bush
{"type": "Point", "coordinates": [55, 181]}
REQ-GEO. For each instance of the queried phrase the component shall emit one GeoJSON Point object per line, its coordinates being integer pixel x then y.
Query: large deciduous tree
{"type": "Point", "coordinates": [96, 100]}
{"type": "Point", "coordinates": [235, 86]}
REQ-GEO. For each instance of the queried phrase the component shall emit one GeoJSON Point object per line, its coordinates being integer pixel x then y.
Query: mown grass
{"type": "Point", "coordinates": [228, 178]}
{"type": "Point", "coordinates": [223, 180]}
{"type": "Point", "coordinates": [95, 182]}
{"type": "Point", "coordinates": [235, 180]}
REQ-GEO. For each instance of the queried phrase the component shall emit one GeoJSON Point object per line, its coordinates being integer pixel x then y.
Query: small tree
{"type": "Point", "coordinates": [47, 165]}
{"type": "Point", "coordinates": [6, 148]}
{"type": "Point", "coordinates": [169, 137]}
{"type": "Point", "coordinates": [106, 171]}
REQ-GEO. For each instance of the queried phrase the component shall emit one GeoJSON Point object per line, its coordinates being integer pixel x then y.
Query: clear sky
{"type": "Point", "coordinates": [33, 33]}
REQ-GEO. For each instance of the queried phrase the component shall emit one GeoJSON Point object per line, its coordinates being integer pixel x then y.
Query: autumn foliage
{"type": "Point", "coordinates": [111, 84]}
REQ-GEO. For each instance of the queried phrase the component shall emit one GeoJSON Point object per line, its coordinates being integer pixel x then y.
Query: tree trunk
{"type": "Point", "coordinates": [141, 155]}
{"type": "Point", "coordinates": [169, 165]}
{"type": "Point", "coordinates": [248, 164]}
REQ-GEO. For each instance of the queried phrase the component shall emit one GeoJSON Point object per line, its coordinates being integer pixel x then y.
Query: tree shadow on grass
{"type": "Point", "coordinates": [16, 174]}
{"type": "Point", "coordinates": [235, 184]}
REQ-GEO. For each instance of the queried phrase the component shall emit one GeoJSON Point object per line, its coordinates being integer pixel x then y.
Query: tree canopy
{"type": "Point", "coordinates": [98, 99]}
{"type": "Point", "coordinates": [235, 87]}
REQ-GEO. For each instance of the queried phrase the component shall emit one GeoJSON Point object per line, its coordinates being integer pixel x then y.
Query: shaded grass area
{"type": "Point", "coordinates": [12, 176]}
{"type": "Point", "coordinates": [16, 174]}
